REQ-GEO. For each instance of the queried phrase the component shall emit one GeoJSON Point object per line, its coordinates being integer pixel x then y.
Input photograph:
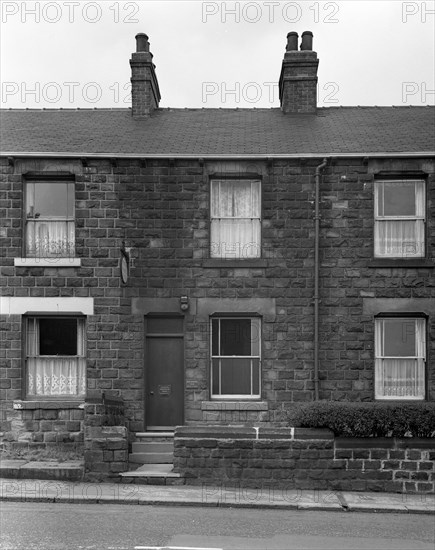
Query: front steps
{"type": "Point", "coordinates": [151, 460]}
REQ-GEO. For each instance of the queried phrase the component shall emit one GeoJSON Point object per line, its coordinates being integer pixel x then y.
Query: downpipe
{"type": "Point", "coordinates": [319, 171]}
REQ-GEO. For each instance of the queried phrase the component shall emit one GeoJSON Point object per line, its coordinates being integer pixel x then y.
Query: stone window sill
{"type": "Point", "coordinates": [400, 263]}
{"type": "Point", "coordinates": [218, 263]}
{"type": "Point", "coordinates": [47, 262]}
{"type": "Point", "coordinates": [20, 404]}
{"type": "Point", "coordinates": [234, 406]}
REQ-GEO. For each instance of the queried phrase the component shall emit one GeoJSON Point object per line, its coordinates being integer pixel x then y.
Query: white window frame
{"type": "Point", "coordinates": [234, 250]}
{"type": "Point", "coordinates": [255, 333]}
{"type": "Point", "coordinates": [67, 223]}
{"type": "Point", "coordinates": [51, 363]}
{"type": "Point", "coordinates": [383, 362]}
{"type": "Point", "coordinates": [413, 249]}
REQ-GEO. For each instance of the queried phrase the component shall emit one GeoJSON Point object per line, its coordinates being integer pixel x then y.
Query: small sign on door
{"type": "Point", "coordinates": [165, 390]}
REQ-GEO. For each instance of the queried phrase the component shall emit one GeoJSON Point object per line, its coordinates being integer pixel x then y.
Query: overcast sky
{"type": "Point", "coordinates": [214, 54]}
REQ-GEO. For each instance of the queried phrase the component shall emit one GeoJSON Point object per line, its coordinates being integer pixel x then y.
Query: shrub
{"type": "Point", "coordinates": [367, 419]}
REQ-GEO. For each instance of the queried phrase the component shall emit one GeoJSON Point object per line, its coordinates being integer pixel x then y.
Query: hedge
{"type": "Point", "coordinates": [367, 419]}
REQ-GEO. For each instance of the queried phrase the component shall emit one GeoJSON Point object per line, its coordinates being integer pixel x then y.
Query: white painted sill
{"type": "Point", "coordinates": [47, 262]}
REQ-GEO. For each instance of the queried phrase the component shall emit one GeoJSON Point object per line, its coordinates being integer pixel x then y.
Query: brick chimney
{"type": "Point", "coordinates": [145, 92]}
{"type": "Point", "coordinates": [298, 80]}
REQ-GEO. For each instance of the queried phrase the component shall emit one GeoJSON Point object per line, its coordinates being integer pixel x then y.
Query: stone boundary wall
{"type": "Point", "coordinates": [34, 424]}
{"type": "Point", "coordinates": [106, 452]}
{"type": "Point", "coordinates": [301, 458]}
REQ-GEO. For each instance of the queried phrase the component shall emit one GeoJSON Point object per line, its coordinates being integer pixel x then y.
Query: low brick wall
{"type": "Point", "coordinates": [302, 459]}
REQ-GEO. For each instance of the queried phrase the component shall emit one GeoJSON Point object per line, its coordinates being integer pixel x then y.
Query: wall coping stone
{"type": "Point", "coordinates": [313, 433]}
{"type": "Point", "coordinates": [244, 432]}
{"type": "Point", "coordinates": [101, 432]}
{"type": "Point", "coordinates": [384, 443]}
{"type": "Point", "coordinates": [247, 406]}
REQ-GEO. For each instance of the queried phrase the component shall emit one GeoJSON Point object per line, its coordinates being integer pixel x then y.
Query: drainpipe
{"type": "Point", "coordinates": [316, 277]}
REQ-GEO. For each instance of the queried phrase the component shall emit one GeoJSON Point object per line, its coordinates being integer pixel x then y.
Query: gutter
{"type": "Point", "coordinates": [319, 170]}
{"type": "Point", "coordinates": [84, 154]}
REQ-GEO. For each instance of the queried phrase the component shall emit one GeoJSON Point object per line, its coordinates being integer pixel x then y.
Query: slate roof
{"type": "Point", "coordinates": [219, 132]}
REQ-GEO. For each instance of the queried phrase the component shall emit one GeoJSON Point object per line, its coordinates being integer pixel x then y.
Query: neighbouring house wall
{"type": "Point", "coordinates": [298, 458]}
{"type": "Point", "coordinates": [161, 209]}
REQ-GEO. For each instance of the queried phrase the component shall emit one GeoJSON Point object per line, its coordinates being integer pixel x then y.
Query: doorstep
{"type": "Point", "coordinates": [71, 470]}
{"type": "Point", "coordinates": [153, 474]}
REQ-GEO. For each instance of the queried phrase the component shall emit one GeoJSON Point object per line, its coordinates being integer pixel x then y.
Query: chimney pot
{"type": "Point", "coordinates": [142, 44]}
{"type": "Point", "coordinates": [307, 40]}
{"type": "Point", "coordinates": [292, 41]}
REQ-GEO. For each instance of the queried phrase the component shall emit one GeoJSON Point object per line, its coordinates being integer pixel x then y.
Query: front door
{"type": "Point", "coordinates": [164, 373]}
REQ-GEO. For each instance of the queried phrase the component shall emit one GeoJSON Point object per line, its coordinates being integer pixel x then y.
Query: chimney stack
{"type": "Point", "coordinates": [145, 93]}
{"type": "Point", "coordinates": [298, 80]}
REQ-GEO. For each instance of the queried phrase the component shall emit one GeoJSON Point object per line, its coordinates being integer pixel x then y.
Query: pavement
{"type": "Point", "coordinates": [224, 495]}
{"type": "Point", "coordinates": [25, 481]}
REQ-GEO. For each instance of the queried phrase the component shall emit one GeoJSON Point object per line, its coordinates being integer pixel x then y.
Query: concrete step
{"type": "Point", "coordinates": [151, 458]}
{"type": "Point", "coordinates": [155, 437]}
{"type": "Point", "coordinates": [153, 474]}
{"type": "Point", "coordinates": [152, 447]}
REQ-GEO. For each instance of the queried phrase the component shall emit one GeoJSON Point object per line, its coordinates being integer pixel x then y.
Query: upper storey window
{"type": "Point", "coordinates": [49, 223]}
{"type": "Point", "coordinates": [235, 219]}
{"type": "Point", "coordinates": [400, 219]}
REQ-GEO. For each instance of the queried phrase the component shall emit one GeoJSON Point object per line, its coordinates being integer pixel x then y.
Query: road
{"type": "Point", "coordinates": [46, 526]}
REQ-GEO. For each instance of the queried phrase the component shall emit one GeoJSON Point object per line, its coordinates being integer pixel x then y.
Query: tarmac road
{"type": "Point", "coordinates": [59, 526]}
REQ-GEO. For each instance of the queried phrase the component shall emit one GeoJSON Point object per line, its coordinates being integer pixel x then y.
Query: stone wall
{"type": "Point", "coordinates": [106, 452]}
{"type": "Point", "coordinates": [41, 425]}
{"type": "Point", "coordinates": [301, 458]}
{"type": "Point", "coordinates": [161, 209]}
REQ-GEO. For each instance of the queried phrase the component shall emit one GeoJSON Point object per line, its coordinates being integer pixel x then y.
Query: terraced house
{"type": "Point", "coordinates": [213, 266]}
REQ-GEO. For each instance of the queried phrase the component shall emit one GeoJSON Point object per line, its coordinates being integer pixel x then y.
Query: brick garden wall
{"type": "Point", "coordinates": [160, 208]}
{"type": "Point", "coordinates": [300, 458]}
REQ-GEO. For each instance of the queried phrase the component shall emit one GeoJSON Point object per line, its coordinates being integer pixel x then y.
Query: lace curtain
{"type": "Point", "coordinates": [398, 237]}
{"type": "Point", "coordinates": [235, 223]}
{"type": "Point", "coordinates": [54, 375]}
{"type": "Point", "coordinates": [400, 377]}
{"type": "Point", "coordinates": [50, 239]}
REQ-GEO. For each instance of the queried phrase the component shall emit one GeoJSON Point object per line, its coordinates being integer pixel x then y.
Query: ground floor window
{"type": "Point", "coordinates": [235, 357]}
{"type": "Point", "coordinates": [55, 357]}
{"type": "Point", "coordinates": [400, 358]}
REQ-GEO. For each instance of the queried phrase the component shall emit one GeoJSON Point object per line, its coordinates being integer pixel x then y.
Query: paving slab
{"type": "Point", "coordinates": [388, 502]}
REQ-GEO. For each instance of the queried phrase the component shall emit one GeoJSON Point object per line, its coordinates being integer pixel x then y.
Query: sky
{"type": "Point", "coordinates": [75, 54]}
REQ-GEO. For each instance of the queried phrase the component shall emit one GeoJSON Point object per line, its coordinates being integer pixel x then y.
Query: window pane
{"type": "Point", "coordinates": [50, 239]}
{"type": "Point", "coordinates": [50, 199]}
{"type": "Point", "coordinates": [235, 337]}
{"type": "Point", "coordinates": [58, 376]}
{"type": "Point", "coordinates": [398, 199]}
{"type": "Point", "coordinates": [215, 377]}
{"type": "Point", "coordinates": [235, 238]}
{"type": "Point", "coordinates": [236, 376]}
{"type": "Point", "coordinates": [399, 378]}
{"type": "Point", "coordinates": [399, 338]}
{"type": "Point", "coordinates": [58, 336]}
{"type": "Point", "coordinates": [255, 336]}
{"type": "Point", "coordinates": [255, 376]}
{"type": "Point", "coordinates": [399, 239]}
{"type": "Point", "coordinates": [215, 337]}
